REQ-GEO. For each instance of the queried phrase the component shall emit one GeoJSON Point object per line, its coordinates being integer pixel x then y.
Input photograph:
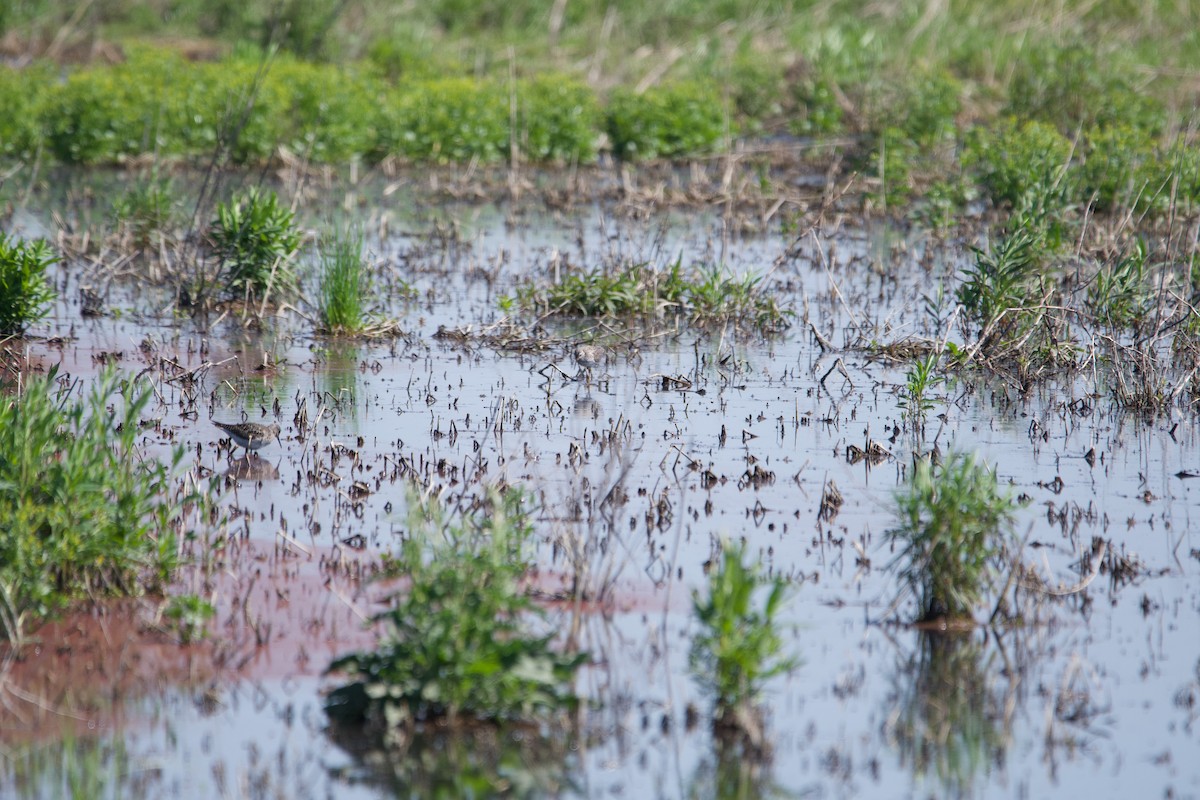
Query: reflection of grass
{"type": "Point", "coordinates": [952, 523]}
{"type": "Point", "coordinates": [458, 647]}
{"type": "Point", "coordinates": [70, 767]}
{"type": "Point", "coordinates": [84, 515]}
{"type": "Point", "coordinates": [483, 761]}
{"type": "Point", "coordinates": [949, 721]}
{"type": "Point", "coordinates": [705, 296]}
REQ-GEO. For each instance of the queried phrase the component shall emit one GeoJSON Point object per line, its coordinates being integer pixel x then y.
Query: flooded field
{"type": "Point", "coordinates": [638, 459]}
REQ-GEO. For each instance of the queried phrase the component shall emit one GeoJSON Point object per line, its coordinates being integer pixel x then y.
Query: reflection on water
{"type": "Point", "coordinates": [951, 710]}
{"type": "Point", "coordinates": [252, 467]}
{"type": "Point", "coordinates": [482, 761]}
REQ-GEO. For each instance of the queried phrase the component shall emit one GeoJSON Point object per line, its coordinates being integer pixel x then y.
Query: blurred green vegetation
{"type": "Point", "coordinates": [917, 95]}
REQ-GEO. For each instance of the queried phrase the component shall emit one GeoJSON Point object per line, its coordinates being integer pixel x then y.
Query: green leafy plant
{"type": "Point", "coordinates": [1119, 295]}
{"type": "Point", "coordinates": [681, 119]}
{"type": "Point", "coordinates": [24, 291]}
{"type": "Point", "coordinates": [1014, 156]}
{"type": "Point", "coordinates": [1000, 279]}
{"type": "Point", "coordinates": [953, 523]}
{"type": "Point", "coordinates": [85, 514]}
{"type": "Point", "coordinates": [254, 238]}
{"type": "Point", "coordinates": [920, 379]}
{"type": "Point", "coordinates": [1077, 85]}
{"type": "Point", "coordinates": [739, 647]}
{"type": "Point", "coordinates": [458, 646]}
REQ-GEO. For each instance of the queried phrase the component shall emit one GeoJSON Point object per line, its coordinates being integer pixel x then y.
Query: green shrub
{"type": "Point", "coordinates": [1116, 168]}
{"type": "Point", "coordinates": [681, 119]}
{"type": "Point", "coordinates": [458, 645]}
{"type": "Point", "coordinates": [22, 95]}
{"type": "Point", "coordinates": [1077, 86]}
{"type": "Point", "coordinates": [24, 292]}
{"type": "Point", "coordinates": [455, 119]}
{"type": "Point", "coordinates": [1001, 278]}
{"type": "Point", "coordinates": [739, 647]}
{"type": "Point", "coordinates": [84, 513]}
{"type": "Point", "coordinates": [558, 120]}
{"type": "Point", "coordinates": [331, 114]}
{"type": "Point", "coordinates": [1120, 293]}
{"type": "Point", "coordinates": [1015, 157]}
{"type": "Point", "coordinates": [953, 523]}
{"type": "Point", "coordinates": [254, 238]}
{"type": "Point", "coordinates": [103, 114]}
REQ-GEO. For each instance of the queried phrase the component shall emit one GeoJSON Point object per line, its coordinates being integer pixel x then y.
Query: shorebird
{"type": "Point", "coordinates": [250, 435]}
{"type": "Point", "coordinates": [589, 356]}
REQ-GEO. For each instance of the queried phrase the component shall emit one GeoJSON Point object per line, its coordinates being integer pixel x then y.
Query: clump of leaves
{"type": "Point", "coordinates": [24, 291]}
{"type": "Point", "coordinates": [84, 514]}
{"type": "Point", "coordinates": [458, 645]}
{"type": "Point", "coordinates": [254, 238]}
{"type": "Point", "coordinates": [1119, 295]}
{"type": "Point", "coordinates": [999, 281]}
{"type": "Point", "coordinates": [739, 647]}
{"type": "Point", "coordinates": [953, 524]}
{"type": "Point", "coordinates": [1016, 156]}
{"type": "Point", "coordinates": [681, 119]}
{"type": "Point", "coordinates": [920, 380]}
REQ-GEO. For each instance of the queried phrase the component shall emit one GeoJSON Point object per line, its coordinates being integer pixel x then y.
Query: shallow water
{"type": "Point", "coordinates": [1096, 698]}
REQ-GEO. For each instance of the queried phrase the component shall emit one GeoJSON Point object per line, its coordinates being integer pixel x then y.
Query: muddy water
{"type": "Point", "coordinates": [679, 440]}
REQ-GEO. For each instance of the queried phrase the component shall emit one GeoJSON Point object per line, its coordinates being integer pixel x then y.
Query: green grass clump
{"type": "Point", "coordinates": [344, 283]}
{"type": "Point", "coordinates": [681, 119]}
{"type": "Point", "coordinates": [458, 646]}
{"type": "Point", "coordinates": [706, 295]}
{"type": "Point", "coordinates": [739, 647]}
{"type": "Point", "coordinates": [85, 515]}
{"type": "Point", "coordinates": [24, 292]}
{"type": "Point", "coordinates": [558, 120]}
{"type": "Point", "coordinates": [953, 522]}
{"type": "Point", "coordinates": [1014, 157]}
{"type": "Point", "coordinates": [254, 239]}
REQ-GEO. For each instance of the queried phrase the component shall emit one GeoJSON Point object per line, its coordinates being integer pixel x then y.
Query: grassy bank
{"type": "Point", "coordinates": [922, 101]}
